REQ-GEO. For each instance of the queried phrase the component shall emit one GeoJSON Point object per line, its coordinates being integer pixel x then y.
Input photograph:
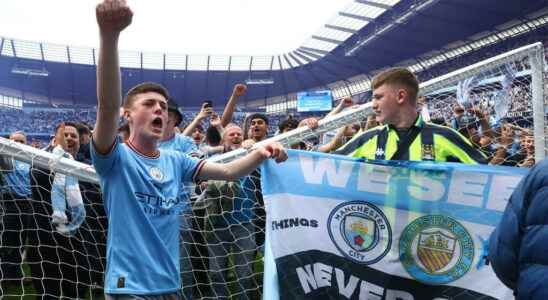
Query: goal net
{"type": "Point", "coordinates": [498, 103]}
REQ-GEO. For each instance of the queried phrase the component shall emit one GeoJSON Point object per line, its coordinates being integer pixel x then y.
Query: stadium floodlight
{"type": "Point", "coordinates": [261, 81]}
{"type": "Point", "coordinates": [30, 72]}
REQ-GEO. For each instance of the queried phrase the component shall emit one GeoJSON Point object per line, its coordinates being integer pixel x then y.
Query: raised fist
{"type": "Point", "coordinates": [312, 123]}
{"type": "Point", "coordinates": [239, 89]}
{"type": "Point", "coordinates": [347, 102]}
{"type": "Point", "coordinates": [113, 16]}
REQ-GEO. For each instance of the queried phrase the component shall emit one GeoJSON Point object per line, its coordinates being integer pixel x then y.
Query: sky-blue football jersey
{"type": "Point", "coordinates": [143, 202]}
{"type": "Point", "coordinates": [183, 144]}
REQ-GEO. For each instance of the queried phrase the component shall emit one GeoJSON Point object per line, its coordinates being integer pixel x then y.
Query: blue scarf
{"type": "Point", "coordinates": [65, 189]}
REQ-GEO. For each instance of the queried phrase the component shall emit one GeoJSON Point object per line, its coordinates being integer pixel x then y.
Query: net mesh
{"type": "Point", "coordinates": [493, 108]}
{"type": "Point", "coordinates": [36, 261]}
{"type": "Point", "coordinates": [221, 246]}
{"type": "Point", "coordinates": [500, 108]}
{"type": "Point", "coordinates": [223, 240]}
{"type": "Point", "coordinates": [226, 240]}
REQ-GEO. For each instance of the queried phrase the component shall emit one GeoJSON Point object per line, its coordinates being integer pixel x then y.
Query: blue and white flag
{"type": "Point", "coordinates": [340, 228]}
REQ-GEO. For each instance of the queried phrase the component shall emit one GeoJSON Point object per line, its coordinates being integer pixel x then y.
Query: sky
{"type": "Point", "coordinates": [224, 27]}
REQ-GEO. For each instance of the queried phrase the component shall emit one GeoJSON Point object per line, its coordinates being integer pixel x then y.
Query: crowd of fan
{"type": "Point", "coordinates": [503, 141]}
{"type": "Point", "coordinates": [39, 124]}
{"type": "Point", "coordinates": [506, 141]}
{"type": "Point", "coordinates": [41, 121]}
{"type": "Point", "coordinates": [444, 109]}
{"type": "Point", "coordinates": [441, 106]}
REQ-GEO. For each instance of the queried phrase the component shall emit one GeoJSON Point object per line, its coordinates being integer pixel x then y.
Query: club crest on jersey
{"type": "Point", "coordinates": [427, 152]}
{"type": "Point", "coordinates": [379, 152]}
{"type": "Point", "coordinates": [156, 173]}
{"type": "Point", "coordinates": [436, 249]}
{"type": "Point", "coordinates": [360, 231]}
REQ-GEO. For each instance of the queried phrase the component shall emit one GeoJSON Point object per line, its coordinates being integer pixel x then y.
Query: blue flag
{"type": "Point", "coordinates": [343, 228]}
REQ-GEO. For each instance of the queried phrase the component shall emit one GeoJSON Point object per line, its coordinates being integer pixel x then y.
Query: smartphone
{"type": "Point", "coordinates": [208, 103]}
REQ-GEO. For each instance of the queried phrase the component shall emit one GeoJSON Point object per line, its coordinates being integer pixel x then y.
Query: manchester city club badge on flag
{"type": "Point", "coordinates": [383, 230]}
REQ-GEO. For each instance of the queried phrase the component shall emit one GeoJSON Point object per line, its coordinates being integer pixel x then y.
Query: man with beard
{"type": "Point", "coordinates": [83, 154]}
{"type": "Point", "coordinates": [57, 259]}
{"type": "Point", "coordinates": [258, 129]}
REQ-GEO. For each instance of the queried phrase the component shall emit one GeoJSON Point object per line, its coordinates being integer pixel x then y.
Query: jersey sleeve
{"type": "Point", "coordinates": [190, 167]}
{"type": "Point", "coordinates": [105, 163]}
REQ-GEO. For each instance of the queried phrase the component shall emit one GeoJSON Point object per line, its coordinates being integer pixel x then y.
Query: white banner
{"type": "Point", "coordinates": [343, 229]}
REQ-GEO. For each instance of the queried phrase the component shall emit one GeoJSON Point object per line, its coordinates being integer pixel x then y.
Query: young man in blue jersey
{"type": "Point", "coordinates": [141, 183]}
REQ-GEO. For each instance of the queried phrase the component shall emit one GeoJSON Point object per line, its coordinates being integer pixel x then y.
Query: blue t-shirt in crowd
{"type": "Point", "coordinates": [18, 179]}
{"type": "Point", "coordinates": [141, 196]}
{"type": "Point", "coordinates": [181, 143]}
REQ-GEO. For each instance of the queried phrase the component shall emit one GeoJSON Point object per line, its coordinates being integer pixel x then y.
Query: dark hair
{"type": "Point", "coordinates": [124, 128]}
{"type": "Point", "coordinates": [82, 128]}
{"type": "Point", "coordinates": [172, 107]}
{"type": "Point", "coordinates": [142, 88]}
{"type": "Point", "coordinates": [258, 116]}
{"type": "Point", "coordinates": [199, 127]}
{"type": "Point", "coordinates": [288, 124]}
{"type": "Point", "coordinates": [398, 76]}
{"type": "Point", "coordinates": [213, 137]}
{"type": "Point", "coordinates": [438, 121]}
{"type": "Point", "coordinates": [67, 124]}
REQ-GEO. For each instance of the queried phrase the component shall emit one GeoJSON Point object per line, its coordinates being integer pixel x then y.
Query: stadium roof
{"type": "Point", "coordinates": [363, 37]}
{"type": "Point", "coordinates": [342, 25]}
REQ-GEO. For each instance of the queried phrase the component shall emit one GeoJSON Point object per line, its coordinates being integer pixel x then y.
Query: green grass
{"type": "Point", "coordinates": [258, 269]}
{"type": "Point", "coordinates": [26, 290]}
{"type": "Point", "coordinates": [20, 291]}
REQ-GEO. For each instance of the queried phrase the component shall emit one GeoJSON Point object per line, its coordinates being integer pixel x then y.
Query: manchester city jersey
{"type": "Point", "coordinates": [143, 202]}
{"type": "Point", "coordinates": [183, 144]}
